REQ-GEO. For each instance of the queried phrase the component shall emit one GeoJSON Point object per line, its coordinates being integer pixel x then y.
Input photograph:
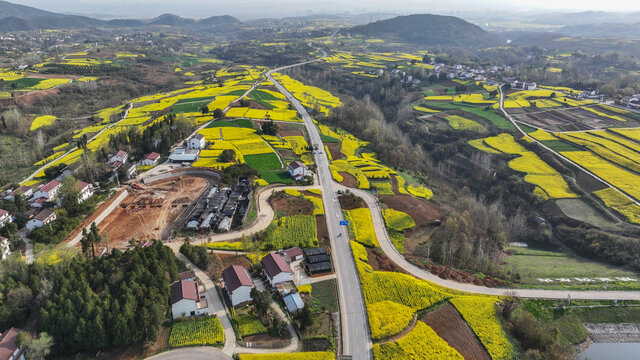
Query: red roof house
{"type": "Point", "coordinates": [237, 284]}
{"type": "Point", "coordinates": [276, 269]}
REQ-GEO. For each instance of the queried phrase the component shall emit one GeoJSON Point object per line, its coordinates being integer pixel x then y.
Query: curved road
{"type": "Point", "coordinates": [192, 353]}
{"type": "Point", "coordinates": [356, 340]}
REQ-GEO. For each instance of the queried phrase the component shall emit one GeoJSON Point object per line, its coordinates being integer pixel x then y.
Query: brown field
{"type": "Point", "coordinates": [348, 180]}
{"type": "Point", "coordinates": [152, 213]}
{"type": "Point", "coordinates": [291, 205]}
{"type": "Point", "coordinates": [449, 325]}
{"type": "Point", "coordinates": [334, 149]}
{"type": "Point", "coordinates": [423, 212]}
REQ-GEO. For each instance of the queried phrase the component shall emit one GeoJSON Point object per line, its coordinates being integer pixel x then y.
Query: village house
{"type": "Point", "coordinates": [237, 284]}
{"type": "Point", "coordinates": [8, 348]}
{"type": "Point", "coordinates": [523, 85]}
{"type": "Point", "coordinates": [294, 254]}
{"type": "Point", "coordinates": [276, 269]}
{"type": "Point", "coordinates": [196, 142]}
{"type": "Point", "coordinates": [150, 159]}
{"type": "Point", "coordinates": [23, 190]}
{"type": "Point", "coordinates": [5, 218]}
{"type": "Point", "coordinates": [186, 299]}
{"type": "Point", "coordinates": [41, 219]}
{"type": "Point", "coordinates": [297, 170]}
{"type": "Point", "coordinates": [120, 157]}
{"type": "Point", "coordinates": [85, 189]}
{"type": "Point", "coordinates": [184, 155]}
{"type": "Point", "coordinates": [130, 170]}
{"type": "Point", "coordinates": [48, 191]}
{"type": "Point", "coordinates": [294, 302]}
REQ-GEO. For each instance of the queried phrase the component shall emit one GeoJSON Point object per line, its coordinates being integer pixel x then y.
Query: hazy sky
{"type": "Point", "coordinates": [281, 8]}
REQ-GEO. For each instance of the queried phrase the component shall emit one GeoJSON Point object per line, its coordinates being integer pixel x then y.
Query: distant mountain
{"type": "Point", "coordinates": [171, 20]}
{"type": "Point", "coordinates": [617, 31]}
{"type": "Point", "coordinates": [215, 21]}
{"type": "Point", "coordinates": [8, 9]}
{"type": "Point", "coordinates": [429, 30]}
{"type": "Point", "coordinates": [125, 23]}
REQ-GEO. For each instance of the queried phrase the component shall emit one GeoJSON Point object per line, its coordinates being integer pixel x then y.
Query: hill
{"type": "Point", "coordinates": [215, 21]}
{"type": "Point", "coordinates": [171, 20]}
{"type": "Point", "coordinates": [8, 9]}
{"type": "Point", "coordinates": [429, 30]}
{"type": "Point", "coordinates": [605, 30]}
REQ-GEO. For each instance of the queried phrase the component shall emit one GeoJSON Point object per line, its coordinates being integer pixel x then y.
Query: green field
{"type": "Point", "coordinates": [232, 123]}
{"type": "Point", "coordinates": [21, 83]}
{"type": "Point", "coordinates": [532, 264]}
{"type": "Point", "coordinates": [262, 95]}
{"type": "Point", "coordinates": [269, 168]}
{"type": "Point", "coordinates": [559, 145]}
{"type": "Point", "coordinates": [324, 293]}
{"type": "Point", "coordinates": [189, 107]}
{"type": "Point", "coordinates": [488, 115]}
{"type": "Point", "coordinates": [580, 210]}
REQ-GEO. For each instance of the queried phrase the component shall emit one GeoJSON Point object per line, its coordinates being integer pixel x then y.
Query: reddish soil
{"type": "Point", "coordinates": [588, 183]}
{"type": "Point", "coordinates": [380, 262]}
{"type": "Point", "coordinates": [225, 260]}
{"type": "Point", "coordinates": [323, 232]}
{"type": "Point", "coordinates": [449, 325]}
{"type": "Point", "coordinates": [350, 202]}
{"type": "Point", "coordinates": [348, 180]}
{"type": "Point", "coordinates": [91, 218]}
{"type": "Point", "coordinates": [290, 130]}
{"type": "Point", "coordinates": [30, 98]}
{"type": "Point", "coordinates": [450, 273]}
{"type": "Point", "coordinates": [394, 184]}
{"type": "Point", "coordinates": [422, 211]}
{"type": "Point", "coordinates": [152, 213]}
{"type": "Point", "coordinates": [291, 205]}
{"type": "Point", "coordinates": [334, 149]}
{"type": "Point", "coordinates": [266, 341]}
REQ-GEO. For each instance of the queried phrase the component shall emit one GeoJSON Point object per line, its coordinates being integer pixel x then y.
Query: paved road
{"type": "Point", "coordinates": [515, 123]}
{"type": "Point", "coordinates": [192, 353]}
{"type": "Point", "coordinates": [356, 340]}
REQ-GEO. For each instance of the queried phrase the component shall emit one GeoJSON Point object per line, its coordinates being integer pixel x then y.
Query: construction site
{"type": "Point", "coordinates": [154, 210]}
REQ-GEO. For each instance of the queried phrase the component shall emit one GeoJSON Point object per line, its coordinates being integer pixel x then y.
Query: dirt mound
{"type": "Point", "coordinates": [449, 325]}
{"type": "Point", "coordinates": [350, 202]}
{"type": "Point", "coordinates": [33, 98]}
{"type": "Point", "coordinates": [449, 273]}
{"type": "Point", "coordinates": [422, 211]}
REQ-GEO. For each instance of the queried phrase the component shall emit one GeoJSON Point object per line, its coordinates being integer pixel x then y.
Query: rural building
{"type": "Point", "coordinates": [8, 348]}
{"type": "Point", "coordinates": [276, 269]}
{"type": "Point", "coordinates": [48, 191]}
{"type": "Point", "coordinates": [186, 300]}
{"type": "Point", "coordinates": [297, 170]}
{"type": "Point", "coordinates": [121, 157]}
{"type": "Point", "coordinates": [5, 218]}
{"type": "Point", "coordinates": [130, 170]}
{"type": "Point", "coordinates": [4, 248]}
{"type": "Point", "coordinates": [237, 284]}
{"type": "Point", "coordinates": [523, 85]}
{"type": "Point", "coordinates": [294, 302]}
{"type": "Point", "coordinates": [150, 159]}
{"type": "Point", "coordinates": [41, 219]}
{"type": "Point", "coordinates": [317, 261]}
{"type": "Point", "coordinates": [85, 189]}
{"type": "Point", "coordinates": [294, 254]}
{"type": "Point", "coordinates": [23, 190]}
{"type": "Point", "coordinates": [184, 155]}
{"type": "Point", "coordinates": [196, 142]}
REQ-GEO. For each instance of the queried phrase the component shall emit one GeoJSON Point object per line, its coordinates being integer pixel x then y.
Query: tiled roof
{"type": "Point", "coordinates": [50, 185]}
{"type": "Point", "coordinates": [121, 153]}
{"type": "Point", "coordinates": [44, 215]}
{"type": "Point", "coordinates": [235, 276]}
{"type": "Point", "coordinates": [184, 289]}
{"type": "Point", "coordinates": [152, 156]}
{"type": "Point", "coordinates": [274, 264]}
{"type": "Point", "coordinates": [8, 343]}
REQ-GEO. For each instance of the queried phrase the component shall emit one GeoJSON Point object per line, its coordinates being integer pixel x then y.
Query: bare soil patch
{"type": "Point", "coordinates": [291, 205]}
{"type": "Point", "coordinates": [449, 273]}
{"type": "Point", "coordinates": [152, 213]}
{"type": "Point", "coordinates": [348, 180]}
{"type": "Point", "coordinates": [588, 183]}
{"type": "Point", "coordinates": [290, 130]}
{"type": "Point", "coordinates": [323, 232]}
{"type": "Point", "coordinates": [449, 325]}
{"type": "Point", "coordinates": [422, 212]}
{"type": "Point", "coordinates": [350, 202]}
{"type": "Point", "coordinates": [266, 341]}
{"type": "Point", "coordinates": [334, 149]}
{"type": "Point", "coordinates": [227, 260]}
{"type": "Point", "coordinates": [91, 218]}
{"type": "Point", "coordinates": [380, 262]}
{"type": "Point", "coordinates": [394, 184]}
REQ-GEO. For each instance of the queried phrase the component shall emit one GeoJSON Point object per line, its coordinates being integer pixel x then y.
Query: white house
{"type": "Point", "coordinates": [5, 218]}
{"type": "Point", "coordinates": [294, 254]}
{"type": "Point", "coordinates": [276, 269]}
{"type": "Point", "coordinates": [184, 155]}
{"type": "Point", "coordinates": [4, 248]}
{"type": "Point", "coordinates": [297, 170]}
{"type": "Point", "coordinates": [186, 299]}
{"type": "Point", "coordinates": [23, 190]}
{"type": "Point", "coordinates": [41, 219]}
{"type": "Point", "coordinates": [196, 142]}
{"type": "Point", "coordinates": [130, 169]}
{"type": "Point", "coordinates": [150, 159]}
{"type": "Point", "coordinates": [48, 191]}
{"type": "Point", "coordinates": [8, 348]}
{"type": "Point", "coordinates": [237, 284]}
{"type": "Point", "coordinates": [86, 190]}
{"type": "Point", "coordinates": [121, 156]}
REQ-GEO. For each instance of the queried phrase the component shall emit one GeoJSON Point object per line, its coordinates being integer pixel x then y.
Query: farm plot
{"type": "Point", "coordinates": [197, 332]}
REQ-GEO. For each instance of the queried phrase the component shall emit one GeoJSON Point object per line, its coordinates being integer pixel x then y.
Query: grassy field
{"type": "Point", "coordinates": [488, 115]}
{"type": "Point", "coordinates": [263, 161]}
{"type": "Point", "coordinates": [559, 145]}
{"type": "Point", "coordinates": [325, 293]}
{"type": "Point", "coordinates": [580, 210]}
{"type": "Point", "coordinates": [532, 264]}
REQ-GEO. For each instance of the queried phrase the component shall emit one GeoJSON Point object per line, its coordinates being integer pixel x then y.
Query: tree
{"type": "Point", "coordinates": [204, 110]}
{"type": "Point", "coordinates": [304, 317]}
{"type": "Point", "coordinates": [39, 348]}
{"type": "Point", "coordinates": [53, 171]}
{"type": "Point", "coordinates": [90, 239]}
{"type": "Point", "coordinates": [270, 128]}
{"type": "Point", "coordinates": [228, 155]}
{"type": "Point", "coordinates": [218, 114]}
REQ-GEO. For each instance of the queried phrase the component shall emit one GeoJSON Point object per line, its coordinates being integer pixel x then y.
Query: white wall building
{"type": "Point", "coordinates": [297, 170]}
{"type": "Point", "coordinates": [121, 156]}
{"type": "Point", "coordinates": [4, 248]}
{"type": "Point", "coordinates": [41, 219]}
{"type": "Point", "coordinates": [5, 218]}
{"type": "Point", "coordinates": [237, 284]}
{"type": "Point", "coordinates": [276, 269]}
{"type": "Point", "coordinates": [196, 142]}
{"type": "Point", "coordinates": [186, 299]}
{"type": "Point", "coordinates": [49, 191]}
